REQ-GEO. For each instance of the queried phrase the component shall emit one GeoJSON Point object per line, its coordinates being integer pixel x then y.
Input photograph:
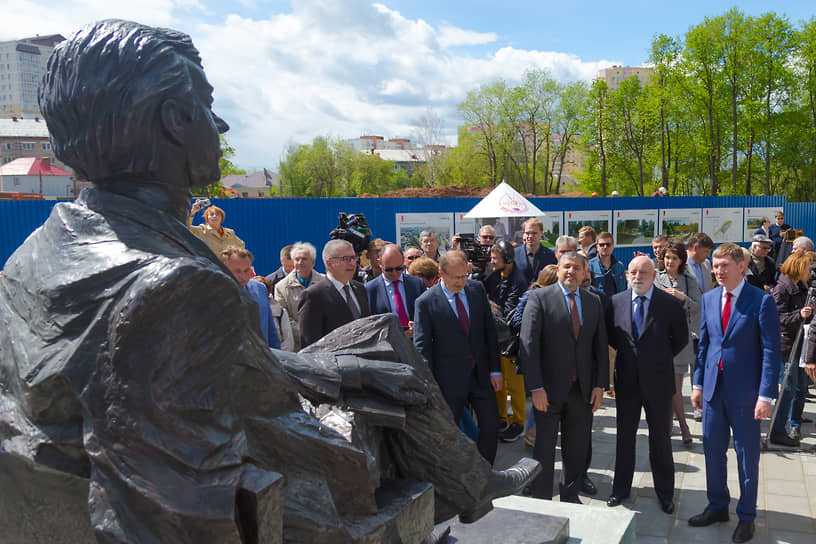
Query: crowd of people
{"type": "Point", "coordinates": [563, 326]}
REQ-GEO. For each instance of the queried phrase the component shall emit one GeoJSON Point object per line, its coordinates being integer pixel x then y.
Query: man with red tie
{"type": "Point", "coordinates": [455, 332]}
{"type": "Point", "coordinates": [735, 380]}
{"type": "Point", "coordinates": [565, 358]}
{"type": "Point", "coordinates": [394, 291]}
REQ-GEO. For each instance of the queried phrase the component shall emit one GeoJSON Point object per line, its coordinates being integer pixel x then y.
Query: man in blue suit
{"type": "Point", "coordinates": [455, 332]}
{"type": "Point", "coordinates": [735, 381]}
{"type": "Point", "coordinates": [531, 256]}
{"type": "Point", "coordinates": [239, 262]}
{"type": "Point", "coordinates": [393, 291]}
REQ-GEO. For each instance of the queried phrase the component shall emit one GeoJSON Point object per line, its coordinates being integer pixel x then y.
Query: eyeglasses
{"type": "Point", "coordinates": [412, 257]}
{"type": "Point", "coordinates": [394, 269]}
{"type": "Point", "coordinates": [604, 244]}
{"type": "Point", "coordinates": [345, 259]}
{"type": "Point", "coordinates": [487, 237]}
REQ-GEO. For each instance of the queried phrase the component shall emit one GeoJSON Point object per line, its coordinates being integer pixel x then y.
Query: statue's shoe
{"type": "Point", "coordinates": [500, 484]}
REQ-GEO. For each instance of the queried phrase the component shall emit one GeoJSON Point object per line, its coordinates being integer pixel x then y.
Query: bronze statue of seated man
{"type": "Point", "coordinates": [130, 357]}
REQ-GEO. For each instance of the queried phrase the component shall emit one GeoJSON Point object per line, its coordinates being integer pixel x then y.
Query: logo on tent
{"type": "Point", "coordinates": [510, 204]}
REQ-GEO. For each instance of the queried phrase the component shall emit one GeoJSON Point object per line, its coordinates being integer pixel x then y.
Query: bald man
{"type": "Point", "coordinates": [647, 328]}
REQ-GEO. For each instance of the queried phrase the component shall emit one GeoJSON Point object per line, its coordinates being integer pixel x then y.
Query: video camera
{"type": "Point", "coordinates": [477, 254]}
{"type": "Point", "coordinates": [354, 230]}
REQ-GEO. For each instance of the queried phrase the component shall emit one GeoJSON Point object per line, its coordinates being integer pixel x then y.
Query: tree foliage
{"type": "Point", "coordinates": [728, 109]}
{"type": "Point", "coordinates": [330, 167]}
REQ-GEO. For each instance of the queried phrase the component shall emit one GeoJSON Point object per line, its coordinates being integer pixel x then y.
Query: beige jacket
{"type": "Point", "coordinates": [288, 292]}
{"type": "Point", "coordinates": [215, 241]}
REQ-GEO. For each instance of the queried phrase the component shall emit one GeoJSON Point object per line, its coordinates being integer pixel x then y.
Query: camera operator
{"type": "Point", "coordinates": [486, 237]}
{"type": "Point", "coordinates": [478, 256]}
{"type": "Point", "coordinates": [790, 295]}
{"type": "Point", "coordinates": [504, 288]}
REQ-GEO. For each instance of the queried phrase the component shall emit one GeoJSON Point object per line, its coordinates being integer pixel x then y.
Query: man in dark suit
{"type": "Point", "coordinates": [334, 300]}
{"type": "Point", "coordinates": [531, 256]}
{"type": "Point", "coordinates": [565, 357]}
{"type": "Point", "coordinates": [736, 377]}
{"type": "Point", "coordinates": [287, 265]}
{"type": "Point", "coordinates": [394, 291]}
{"type": "Point", "coordinates": [648, 328]}
{"type": "Point", "coordinates": [455, 332]}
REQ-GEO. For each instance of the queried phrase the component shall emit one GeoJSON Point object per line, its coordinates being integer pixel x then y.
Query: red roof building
{"type": "Point", "coordinates": [36, 175]}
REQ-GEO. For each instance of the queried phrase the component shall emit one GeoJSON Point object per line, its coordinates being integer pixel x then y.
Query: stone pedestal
{"type": "Point", "coordinates": [511, 525]}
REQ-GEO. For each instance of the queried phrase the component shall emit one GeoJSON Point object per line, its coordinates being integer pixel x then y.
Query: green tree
{"type": "Point", "coordinates": [216, 190]}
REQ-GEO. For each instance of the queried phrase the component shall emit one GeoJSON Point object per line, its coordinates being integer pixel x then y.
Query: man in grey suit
{"type": "Point", "coordinates": [698, 248]}
{"type": "Point", "coordinates": [565, 359]}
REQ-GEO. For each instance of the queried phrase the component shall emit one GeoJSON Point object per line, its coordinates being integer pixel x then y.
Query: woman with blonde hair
{"type": "Point", "coordinates": [211, 232]}
{"type": "Point", "coordinates": [790, 295]}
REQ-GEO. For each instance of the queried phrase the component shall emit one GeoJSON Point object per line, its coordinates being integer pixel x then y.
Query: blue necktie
{"type": "Point", "coordinates": [638, 315]}
{"type": "Point", "coordinates": [698, 269]}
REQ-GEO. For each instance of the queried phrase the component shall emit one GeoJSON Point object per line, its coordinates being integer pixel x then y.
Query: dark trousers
{"type": "Point", "coordinates": [482, 399]}
{"type": "Point", "coordinates": [658, 418]}
{"type": "Point", "coordinates": [574, 416]}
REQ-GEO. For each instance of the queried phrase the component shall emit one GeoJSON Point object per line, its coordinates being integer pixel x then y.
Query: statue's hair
{"type": "Point", "coordinates": [102, 93]}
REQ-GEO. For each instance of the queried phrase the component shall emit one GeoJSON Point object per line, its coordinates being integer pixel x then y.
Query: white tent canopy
{"type": "Point", "coordinates": [504, 201]}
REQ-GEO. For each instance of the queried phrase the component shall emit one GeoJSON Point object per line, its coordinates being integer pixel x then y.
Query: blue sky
{"type": "Point", "coordinates": [285, 72]}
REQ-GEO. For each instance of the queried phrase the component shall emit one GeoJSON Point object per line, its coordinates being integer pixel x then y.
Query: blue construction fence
{"type": "Point", "coordinates": [266, 225]}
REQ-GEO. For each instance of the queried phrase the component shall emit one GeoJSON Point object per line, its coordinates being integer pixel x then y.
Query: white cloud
{"type": "Point", "coordinates": [451, 36]}
{"type": "Point", "coordinates": [326, 67]}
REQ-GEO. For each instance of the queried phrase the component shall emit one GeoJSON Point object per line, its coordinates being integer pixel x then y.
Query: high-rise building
{"type": "Point", "coordinates": [22, 65]}
{"type": "Point", "coordinates": [616, 74]}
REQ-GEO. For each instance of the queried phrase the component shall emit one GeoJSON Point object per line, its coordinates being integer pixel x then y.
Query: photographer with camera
{"type": "Point", "coordinates": [486, 238]}
{"type": "Point", "coordinates": [791, 297]}
{"type": "Point", "coordinates": [505, 286]}
{"type": "Point", "coordinates": [212, 232]}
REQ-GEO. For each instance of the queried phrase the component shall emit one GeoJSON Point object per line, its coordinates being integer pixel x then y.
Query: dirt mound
{"type": "Point", "coordinates": [453, 191]}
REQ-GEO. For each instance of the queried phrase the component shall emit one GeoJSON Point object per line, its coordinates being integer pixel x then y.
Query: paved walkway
{"type": "Point", "coordinates": [787, 480]}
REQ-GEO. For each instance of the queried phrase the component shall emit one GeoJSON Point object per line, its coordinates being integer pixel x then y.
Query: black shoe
{"type": "Point", "coordinates": [784, 440]}
{"type": "Point", "coordinates": [500, 484]}
{"type": "Point", "coordinates": [588, 487]}
{"type": "Point", "coordinates": [615, 500]}
{"type": "Point", "coordinates": [512, 433]}
{"type": "Point", "coordinates": [667, 506]}
{"type": "Point", "coordinates": [572, 500]}
{"type": "Point", "coordinates": [708, 517]}
{"type": "Point", "coordinates": [744, 531]}
{"type": "Point", "coordinates": [806, 420]}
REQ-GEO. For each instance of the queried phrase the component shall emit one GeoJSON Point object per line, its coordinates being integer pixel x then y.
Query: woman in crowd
{"type": "Point", "coordinates": [679, 281]}
{"type": "Point", "coordinates": [211, 232]}
{"type": "Point", "coordinates": [790, 295]}
{"type": "Point", "coordinates": [425, 268]}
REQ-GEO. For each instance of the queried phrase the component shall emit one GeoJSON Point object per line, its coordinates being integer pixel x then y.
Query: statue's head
{"type": "Point", "coordinates": [124, 101]}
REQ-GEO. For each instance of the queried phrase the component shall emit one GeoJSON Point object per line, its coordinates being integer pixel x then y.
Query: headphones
{"type": "Point", "coordinates": [508, 251]}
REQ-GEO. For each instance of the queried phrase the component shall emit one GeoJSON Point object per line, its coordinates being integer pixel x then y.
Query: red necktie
{"type": "Point", "coordinates": [576, 319]}
{"type": "Point", "coordinates": [726, 315]}
{"type": "Point", "coordinates": [463, 317]}
{"type": "Point", "coordinates": [401, 313]}
{"type": "Point", "coordinates": [465, 322]}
